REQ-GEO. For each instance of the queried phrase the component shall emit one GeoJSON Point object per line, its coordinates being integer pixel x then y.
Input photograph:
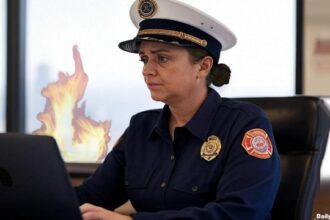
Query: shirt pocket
{"type": "Point", "coordinates": [194, 190]}
{"type": "Point", "coordinates": [137, 183]}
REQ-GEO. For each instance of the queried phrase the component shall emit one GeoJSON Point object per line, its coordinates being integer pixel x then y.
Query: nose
{"type": "Point", "coordinates": [149, 68]}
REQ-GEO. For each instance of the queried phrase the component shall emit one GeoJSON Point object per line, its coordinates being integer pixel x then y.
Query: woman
{"type": "Point", "coordinates": [201, 156]}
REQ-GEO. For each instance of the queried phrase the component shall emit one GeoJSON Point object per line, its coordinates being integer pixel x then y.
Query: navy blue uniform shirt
{"type": "Point", "coordinates": [167, 179]}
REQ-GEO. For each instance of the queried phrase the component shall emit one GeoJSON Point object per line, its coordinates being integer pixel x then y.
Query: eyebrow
{"type": "Point", "coordinates": [156, 51]}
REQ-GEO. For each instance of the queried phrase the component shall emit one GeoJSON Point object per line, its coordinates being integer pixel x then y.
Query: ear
{"type": "Point", "coordinates": [205, 66]}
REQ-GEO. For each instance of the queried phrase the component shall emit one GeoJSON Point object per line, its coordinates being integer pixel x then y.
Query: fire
{"type": "Point", "coordinates": [80, 138]}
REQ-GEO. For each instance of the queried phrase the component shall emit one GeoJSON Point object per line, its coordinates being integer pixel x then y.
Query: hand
{"type": "Point", "coordinates": [91, 212]}
{"type": "Point", "coordinates": [125, 209]}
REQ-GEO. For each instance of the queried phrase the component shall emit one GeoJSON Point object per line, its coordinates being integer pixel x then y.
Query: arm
{"type": "Point", "coordinates": [106, 186]}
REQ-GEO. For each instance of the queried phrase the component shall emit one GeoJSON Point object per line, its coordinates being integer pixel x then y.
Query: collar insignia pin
{"type": "Point", "coordinates": [211, 148]}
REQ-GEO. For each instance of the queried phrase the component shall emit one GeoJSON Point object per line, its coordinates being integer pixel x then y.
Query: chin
{"type": "Point", "coordinates": [157, 97]}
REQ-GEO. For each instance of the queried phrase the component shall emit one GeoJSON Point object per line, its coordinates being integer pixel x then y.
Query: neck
{"type": "Point", "coordinates": [182, 112]}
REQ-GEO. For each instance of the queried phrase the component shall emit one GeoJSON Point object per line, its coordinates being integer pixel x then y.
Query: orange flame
{"type": "Point", "coordinates": [80, 138]}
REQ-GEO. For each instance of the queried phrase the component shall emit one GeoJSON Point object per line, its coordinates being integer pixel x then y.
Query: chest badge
{"type": "Point", "coordinates": [211, 148]}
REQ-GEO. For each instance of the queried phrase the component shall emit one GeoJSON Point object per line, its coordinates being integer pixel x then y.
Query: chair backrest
{"type": "Point", "coordinates": [301, 129]}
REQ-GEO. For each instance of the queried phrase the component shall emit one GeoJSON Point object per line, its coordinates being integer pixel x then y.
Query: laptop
{"type": "Point", "coordinates": [34, 182]}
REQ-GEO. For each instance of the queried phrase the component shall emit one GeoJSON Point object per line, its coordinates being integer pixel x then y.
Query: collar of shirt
{"type": "Point", "coordinates": [200, 122]}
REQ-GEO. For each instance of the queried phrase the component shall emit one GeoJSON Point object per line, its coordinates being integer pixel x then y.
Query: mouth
{"type": "Point", "coordinates": [153, 85]}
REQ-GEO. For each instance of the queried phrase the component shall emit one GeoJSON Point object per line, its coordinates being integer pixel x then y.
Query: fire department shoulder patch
{"type": "Point", "coordinates": [256, 143]}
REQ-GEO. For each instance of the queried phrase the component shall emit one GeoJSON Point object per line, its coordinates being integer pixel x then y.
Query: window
{"type": "Point", "coordinates": [3, 32]}
{"type": "Point", "coordinates": [103, 100]}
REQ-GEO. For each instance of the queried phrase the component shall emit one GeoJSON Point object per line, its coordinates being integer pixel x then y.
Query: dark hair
{"type": "Point", "coordinates": [219, 74]}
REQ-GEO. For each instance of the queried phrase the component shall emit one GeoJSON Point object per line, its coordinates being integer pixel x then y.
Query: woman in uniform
{"type": "Point", "coordinates": [201, 157]}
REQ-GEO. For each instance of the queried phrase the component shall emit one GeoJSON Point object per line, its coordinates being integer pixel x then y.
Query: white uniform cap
{"type": "Point", "coordinates": [184, 13]}
{"type": "Point", "coordinates": [175, 22]}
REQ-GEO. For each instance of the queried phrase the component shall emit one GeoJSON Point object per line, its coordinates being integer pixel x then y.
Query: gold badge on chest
{"type": "Point", "coordinates": [211, 148]}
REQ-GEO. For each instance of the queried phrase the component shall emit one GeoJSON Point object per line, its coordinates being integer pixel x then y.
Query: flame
{"type": "Point", "coordinates": [80, 138]}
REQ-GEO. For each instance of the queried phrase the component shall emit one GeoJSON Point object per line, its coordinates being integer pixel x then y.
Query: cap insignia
{"type": "Point", "coordinates": [211, 148]}
{"type": "Point", "coordinates": [257, 143]}
{"type": "Point", "coordinates": [147, 8]}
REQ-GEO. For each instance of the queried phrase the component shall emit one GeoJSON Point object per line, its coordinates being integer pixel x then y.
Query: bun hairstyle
{"type": "Point", "coordinates": [219, 74]}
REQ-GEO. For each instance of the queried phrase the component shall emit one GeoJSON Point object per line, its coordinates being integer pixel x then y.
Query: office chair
{"type": "Point", "coordinates": [301, 128]}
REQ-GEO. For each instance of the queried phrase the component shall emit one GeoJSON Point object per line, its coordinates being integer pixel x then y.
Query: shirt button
{"type": "Point", "coordinates": [172, 157]}
{"type": "Point", "coordinates": [194, 188]}
{"type": "Point", "coordinates": [163, 184]}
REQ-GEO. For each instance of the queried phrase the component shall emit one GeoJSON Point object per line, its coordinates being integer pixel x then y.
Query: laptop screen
{"type": "Point", "coordinates": [34, 183]}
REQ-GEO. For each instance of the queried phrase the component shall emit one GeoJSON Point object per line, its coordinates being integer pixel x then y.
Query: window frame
{"type": "Point", "coordinates": [16, 33]}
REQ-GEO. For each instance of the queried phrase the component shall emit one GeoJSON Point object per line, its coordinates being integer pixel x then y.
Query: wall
{"type": "Point", "coordinates": [317, 48]}
{"type": "Point", "coordinates": [317, 80]}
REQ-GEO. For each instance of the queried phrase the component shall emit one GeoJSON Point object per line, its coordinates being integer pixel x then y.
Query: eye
{"type": "Point", "coordinates": [162, 59]}
{"type": "Point", "coordinates": [144, 59]}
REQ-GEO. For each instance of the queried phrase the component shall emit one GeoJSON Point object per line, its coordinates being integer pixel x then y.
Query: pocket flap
{"type": "Point", "coordinates": [138, 178]}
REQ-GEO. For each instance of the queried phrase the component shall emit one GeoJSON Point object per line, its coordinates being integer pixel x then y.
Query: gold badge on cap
{"type": "Point", "coordinates": [147, 8]}
{"type": "Point", "coordinates": [211, 148]}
